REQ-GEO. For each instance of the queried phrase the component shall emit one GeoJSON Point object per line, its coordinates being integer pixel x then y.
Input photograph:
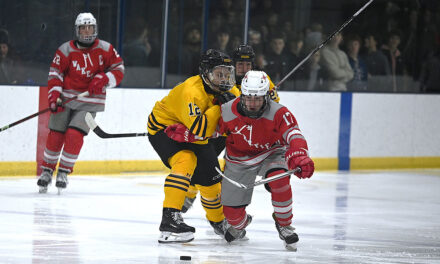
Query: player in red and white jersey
{"type": "Point", "coordinates": [263, 138]}
{"type": "Point", "coordinates": [84, 64]}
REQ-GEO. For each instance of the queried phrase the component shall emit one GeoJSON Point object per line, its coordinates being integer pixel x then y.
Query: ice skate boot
{"type": "Point", "coordinates": [173, 229]}
{"type": "Point", "coordinates": [188, 204]}
{"type": "Point", "coordinates": [287, 234]}
{"type": "Point", "coordinates": [220, 227]}
{"type": "Point", "coordinates": [233, 233]}
{"type": "Point", "coordinates": [44, 180]}
{"type": "Point", "coordinates": [62, 181]}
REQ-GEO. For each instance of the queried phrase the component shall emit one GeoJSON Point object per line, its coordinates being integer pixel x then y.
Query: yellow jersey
{"type": "Point", "coordinates": [189, 104]}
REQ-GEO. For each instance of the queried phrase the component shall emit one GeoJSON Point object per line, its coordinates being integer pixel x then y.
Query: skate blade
{"type": "Point", "coordinates": [291, 247]}
{"type": "Point", "coordinates": [42, 189]}
{"type": "Point", "coordinates": [169, 237]}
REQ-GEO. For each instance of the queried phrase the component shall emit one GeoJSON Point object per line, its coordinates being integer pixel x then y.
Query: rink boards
{"type": "Point", "coordinates": [344, 130]}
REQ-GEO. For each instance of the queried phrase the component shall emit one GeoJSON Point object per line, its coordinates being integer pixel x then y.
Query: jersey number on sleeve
{"type": "Point", "coordinates": [288, 118]}
{"type": "Point", "coordinates": [194, 110]}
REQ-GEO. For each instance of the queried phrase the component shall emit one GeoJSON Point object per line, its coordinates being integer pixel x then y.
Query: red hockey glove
{"type": "Point", "coordinates": [299, 158]}
{"type": "Point", "coordinates": [180, 133]}
{"type": "Point", "coordinates": [98, 83]}
{"type": "Point", "coordinates": [55, 102]}
{"type": "Point", "coordinates": [223, 98]}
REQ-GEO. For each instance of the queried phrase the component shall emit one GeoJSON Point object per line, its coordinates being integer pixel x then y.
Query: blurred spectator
{"type": "Point", "coordinates": [255, 40]}
{"type": "Point", "coordinates": [8, 66]}
{"type": "Point", "coordinates": [260, 62]}
{"type": "Point", "coordinates": [360, 73]}
{"type": "Point", "coordinates": [294, 48]}
{"type": "Point", "coordinates": [335, 65]}
{"type": "Point", "coordinates": [309, 77]}
{"type": "Point", "coordinates": [138, 50]}
{"type": "Point", "coordinates": [277, 60]}
{"type": "Point", "coordinates": [430, 74]}
{"type": "Point", "coordinates": [313, 37]}
{"type": "Point", "coordinates": [222, 41]}
{"type": "Point", "coordinates": [396, 61]}
{"type": "Point", "coordinates": [191, 51]}
{"type": "Point", "coordinates": [379, 70]}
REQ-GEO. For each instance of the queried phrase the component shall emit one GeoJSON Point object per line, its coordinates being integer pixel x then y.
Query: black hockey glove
{"type": "Point", "coordinates": [224, 98]}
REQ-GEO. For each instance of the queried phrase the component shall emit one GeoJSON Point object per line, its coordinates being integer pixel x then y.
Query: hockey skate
{"type": "Point", "coordinates": [45, 180]}
{"type": "Point", "coordinates": [233, 233]}
{"type": "Point", "coordinates": [188, 204]}
{"type": "Point", "coordinates": [62, 181]}
{"type": "Point", "coordinates": [220, 227]}
{"type": "Point", "coordinates": [173, 229]}
{"type": "Point", "coordinates": [287, 234]}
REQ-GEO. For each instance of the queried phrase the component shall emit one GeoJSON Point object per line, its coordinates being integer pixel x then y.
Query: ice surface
{"type": "Point", "coordinates": [368, 217]}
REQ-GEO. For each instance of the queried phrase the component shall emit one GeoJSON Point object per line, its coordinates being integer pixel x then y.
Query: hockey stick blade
{"type": "Point", "coordinates": [263, 181]}
{"type": "Point", "coordinates": [91, 123]}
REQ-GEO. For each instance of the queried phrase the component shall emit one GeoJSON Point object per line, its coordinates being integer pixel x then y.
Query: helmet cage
{"type": "Point", "coordinates": [220, 78]}
{"type": "Point", "coordinates": [86, 19]}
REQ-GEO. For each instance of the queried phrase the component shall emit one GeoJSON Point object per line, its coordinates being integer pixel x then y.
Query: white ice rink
{"type": "Point", "coordinates": [374, 217]}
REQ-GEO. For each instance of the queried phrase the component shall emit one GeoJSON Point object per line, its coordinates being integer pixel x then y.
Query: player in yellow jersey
{"type": "Point", "coordinates": [192, 106]}
{"type": "Point", "coordinates": [243, 57]}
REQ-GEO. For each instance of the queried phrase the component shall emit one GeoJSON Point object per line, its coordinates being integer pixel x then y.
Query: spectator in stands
{"type": "Point", "coordinates": [335, 65]}
{"type": "Point", "coordinates": [222, 40]}
{"type": "Point", "coordinates": [295, 48]}
{"type": "Point", "coordinates": [358, 65]}
{"type": "Point", "coordinates": [8, 65]}
{"type": "Point", "coordinates": [379, 70]}
{"type": "Point", "coordinates": [309, 77]}
{"type": "Point", "coordinates": [255, 41]}
{"type": "Point", "coordinates": [191, 51]}
{"type": "Point", "coordinates": [313, 37]}
{"type": "Point", "coordinates": [278, 64]}
{"type": "Point", "coordinates": [260, 62]}
{"type": "Point", "coordinates": [138, 50]}
{"type": "Point", "coordinates": [395, 59]}
{"type": "Point", "coordinates": [430, 74]}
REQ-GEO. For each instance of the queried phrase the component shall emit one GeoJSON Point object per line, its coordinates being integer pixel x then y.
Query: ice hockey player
{"type": "Point", "coordinates": [84, 64]}
{"type": "Point", "coordinates": [263, 138]}
{"type": "Point", "coordinates": [178, 128]}
{"type": "Point", "coordinates": [243, 58]}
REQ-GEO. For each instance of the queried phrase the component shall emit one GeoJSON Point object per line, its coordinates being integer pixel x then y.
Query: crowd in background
{"type": "Point", "coordinates": [393, 46]}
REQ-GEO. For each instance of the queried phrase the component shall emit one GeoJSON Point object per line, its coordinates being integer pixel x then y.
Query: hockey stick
{"type": "Point", "coordinates": [41, 112]}
{"type": "Point", "coordinates": [102, 134]}
{"type": "Point", "coordinates": [322, 44]}
{"type": "Point", "coordinates": [259, 182]}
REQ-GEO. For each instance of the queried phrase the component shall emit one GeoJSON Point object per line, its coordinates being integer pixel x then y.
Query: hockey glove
{"type": "Point", "coordinates": [223, 98]}
{"type": "Point", "coordinates": [181, 133]}
{"type": "Point", "coordinates": [98, 83]}
{"type": "Point", "coordinates": [55, 102]}
{"type": "Point", "coordinates": [299, 158]}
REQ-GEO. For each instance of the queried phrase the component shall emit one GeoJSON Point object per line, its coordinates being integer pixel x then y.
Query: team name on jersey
{"type": "Point", "coordinates": [87, 62]}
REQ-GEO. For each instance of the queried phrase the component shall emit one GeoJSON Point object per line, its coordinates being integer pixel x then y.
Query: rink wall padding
{"type": "Point", "coordinates": [43, 130]}
{"type": "Point", "coordinates": [353, 131]}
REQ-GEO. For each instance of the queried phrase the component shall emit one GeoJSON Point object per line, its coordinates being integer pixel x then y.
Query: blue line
{"type": "Point", "coordinates": [344, 132]}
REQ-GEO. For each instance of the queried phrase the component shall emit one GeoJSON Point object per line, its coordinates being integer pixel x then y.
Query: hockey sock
{"type": "Point", "coordinates": [236, 216]}
{"type": "Point", "coordinates": [72, 147]}
{"type": "Point", "coordinates": [192, 192]}
{"type": "Point", "coordinates": [177, 182]}
{"type": "Point", "coordinates": [281, 198]}
{"type": "Point", "coordinates": [52, 151]}
{"type": "Point", "coordinates": [210, 198]}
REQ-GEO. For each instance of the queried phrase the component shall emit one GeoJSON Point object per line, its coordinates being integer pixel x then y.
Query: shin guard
{"type": "Point", "coordinates": [281, 192]}
{"type": "Point", "coordinates": [52, 151]}
{"type": "Point", "coordinates": [210, 198]}
{"type": "Point", "coordinates": [74, 140]}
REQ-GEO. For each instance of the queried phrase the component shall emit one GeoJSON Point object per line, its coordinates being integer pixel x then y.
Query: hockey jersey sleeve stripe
{"type": "Point", "coordinates": [152, 126]}
{"type": "Point", "coordinates": [205, 127]}
{"type": "Point", "coordinates": [111, 80]}
{"type": "Point", "coordinates": [56, 88]}
{"type": "Point", "coordinates": [193, 126]}
{"type": "Point", "coordinates": [154, 120]}
{"type": "Point", "coordinates": [54, 74]}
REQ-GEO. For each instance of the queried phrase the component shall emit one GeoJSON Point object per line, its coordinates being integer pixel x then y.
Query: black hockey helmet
{"type": "Point", "coordinates": [244, 53]}
{"type": "Point", "coordinates": [213, 60]}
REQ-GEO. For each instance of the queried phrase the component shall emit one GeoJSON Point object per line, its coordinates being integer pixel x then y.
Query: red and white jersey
{"type": "Point", "coordinates": [73, 68]}
{"type": "Point", "coordinates": [249, 141]}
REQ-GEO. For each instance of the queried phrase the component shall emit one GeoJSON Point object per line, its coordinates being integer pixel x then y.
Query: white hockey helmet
{"type": "Point", "coordinates": [86, 19]}
{"type": "Point", "coordinates": [254, 93]}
